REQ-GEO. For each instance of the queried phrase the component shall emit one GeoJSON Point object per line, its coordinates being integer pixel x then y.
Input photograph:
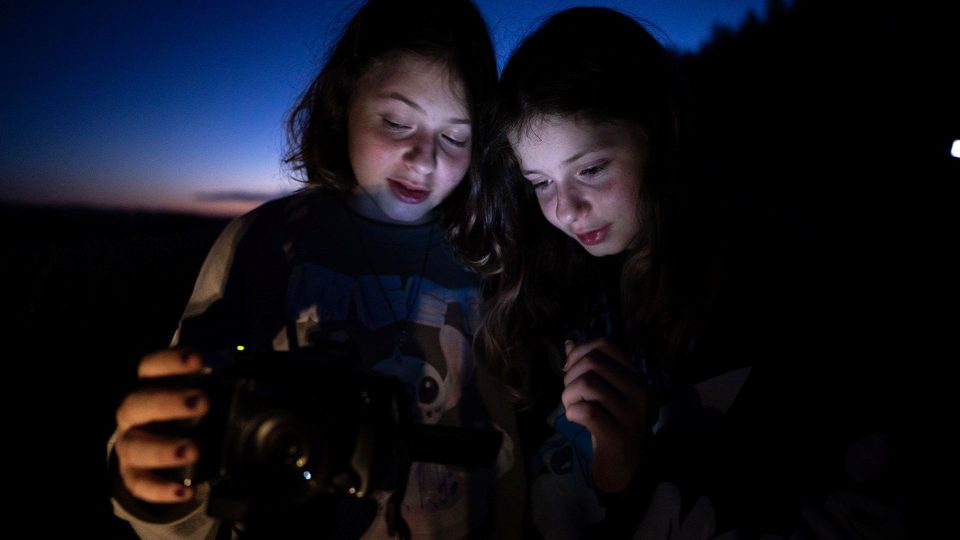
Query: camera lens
{"type": "Point", "coordinates": [282, 443]}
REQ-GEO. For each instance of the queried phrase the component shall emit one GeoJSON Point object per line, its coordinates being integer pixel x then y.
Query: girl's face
{"type": "Point", "coordinates": [587, 178]}
{"type": "Point", "coordinates": [408, 138]}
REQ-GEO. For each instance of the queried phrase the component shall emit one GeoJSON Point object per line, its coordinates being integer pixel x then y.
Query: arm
{"type": "Point", "coordinates": [738, 454]}
{"type": "Point", "coordinates": [166, 510]}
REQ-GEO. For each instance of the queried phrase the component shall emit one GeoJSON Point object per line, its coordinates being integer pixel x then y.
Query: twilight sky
{"type": "Point", "coordinates": [180, 104]}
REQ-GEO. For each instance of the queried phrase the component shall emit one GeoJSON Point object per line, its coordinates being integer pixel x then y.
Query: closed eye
{"type": "Point", "coordinates": [539, 183]}
{"type": "Point", "coordinates": [456, 142]}
{"type": "Point", "coordinates": [593, 170]}
{"type": "Point", "coordinates": [394, 126]}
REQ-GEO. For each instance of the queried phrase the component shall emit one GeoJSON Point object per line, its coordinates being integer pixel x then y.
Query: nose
{"type": "Point", "coordinates": [570, 204]}
{"type": "Point", "coordinates": [421, 157]}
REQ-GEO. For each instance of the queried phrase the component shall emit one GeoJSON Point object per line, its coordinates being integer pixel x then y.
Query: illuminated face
{"type": "Point", "coordinates": [587, 178]}
{"type": "Point", "coordinates": [408, 138]}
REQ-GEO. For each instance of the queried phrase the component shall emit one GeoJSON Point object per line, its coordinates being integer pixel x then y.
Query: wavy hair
{"type": "Point", "coordinates": [449, 31]}
{"type": "Point", "coordinates": [596, 65]}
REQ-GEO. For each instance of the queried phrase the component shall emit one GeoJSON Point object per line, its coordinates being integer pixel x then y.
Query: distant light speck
{"type": "Point", "coordinates": [307, 475]}
{"type": "Point", "coordinates": [955, 149]}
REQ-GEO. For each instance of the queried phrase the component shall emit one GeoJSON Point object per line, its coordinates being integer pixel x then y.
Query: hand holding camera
{"type": "Point", "coordinates": [141, 452]}
{"type": "Point", "coordinates": [281, 437]}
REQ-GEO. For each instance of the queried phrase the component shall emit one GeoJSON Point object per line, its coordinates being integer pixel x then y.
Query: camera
{"type": "Point", "coordinates": [289, 431]}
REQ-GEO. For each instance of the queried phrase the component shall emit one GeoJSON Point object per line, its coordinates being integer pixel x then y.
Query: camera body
{"type": "Point", "coordinates": [286, 429]}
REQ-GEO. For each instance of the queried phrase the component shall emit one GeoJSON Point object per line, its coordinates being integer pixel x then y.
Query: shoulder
{"type": "Point", "coordinates": [264, 229]}
{"type": "Point", "coordinates": [283, 215]}
{"type": "Point", "coordinates": [291, 207]}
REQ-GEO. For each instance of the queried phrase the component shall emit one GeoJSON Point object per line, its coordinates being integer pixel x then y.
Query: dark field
{"type": "Point", "coordinates": [87, 293]}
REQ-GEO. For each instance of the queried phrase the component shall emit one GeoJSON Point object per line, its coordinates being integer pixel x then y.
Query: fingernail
{"type": "Point", "coordinates": [181, 451]}
{"type": "Point", "coordinates": [192, 401]}
{"type": "Point", "coordinates": [185, 356]}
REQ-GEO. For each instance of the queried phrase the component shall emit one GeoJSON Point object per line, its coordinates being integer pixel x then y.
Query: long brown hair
{"type": "Point", "coordinates": [598, 65]}
{"type": "Point", "coordinates": [452, 32]}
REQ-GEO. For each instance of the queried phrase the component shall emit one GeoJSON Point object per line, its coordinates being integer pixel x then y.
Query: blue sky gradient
{"type": "Point", "coordinates": [180, 105]}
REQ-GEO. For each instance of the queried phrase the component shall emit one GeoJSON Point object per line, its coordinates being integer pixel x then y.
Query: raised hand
{"type": "Point", "coordinates": [605, 393]}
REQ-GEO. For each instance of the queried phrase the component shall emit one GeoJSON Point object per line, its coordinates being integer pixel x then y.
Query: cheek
{"type": "Point", "coordinates": [547, 207]}
{"type": "Point", "coordinates": [369, 154]}
{"type": "Point", "coordinates": [454, 171]}
{"type": "Point", "coordinates": [626, 206]}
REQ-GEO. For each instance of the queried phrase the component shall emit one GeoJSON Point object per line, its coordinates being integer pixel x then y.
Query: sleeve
{"type": "Point", "coordinates": [207, 317]}
{"type": "Point", "coordinates": [773, 466]}
{"type": "Point", "coordinates": [194, 524]}
{"type": "Point", "coordinates": [150, 521]}
{"type": "Point", "coordinates": [191, 521]}
{"type": "Point", "coordinates": [862, 509]}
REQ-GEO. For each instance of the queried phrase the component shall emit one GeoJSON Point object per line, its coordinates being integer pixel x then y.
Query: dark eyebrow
{"type": "Point", "coordinates": [414, 105]}
{"type": "Point", "coordinates": [567, 161]}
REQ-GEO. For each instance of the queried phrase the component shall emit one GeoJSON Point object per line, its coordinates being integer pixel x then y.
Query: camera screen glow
{"type": "Point", "coordinates": [955, 149]}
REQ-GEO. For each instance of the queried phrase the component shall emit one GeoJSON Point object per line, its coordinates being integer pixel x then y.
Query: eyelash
{"type": "Point", "coordinates": [394, 126]}
{"type": "Point", "coordinates": [540, 184]}
{"type": "Point", "coordinates": [397, 127]}
{"type": "Point", "coordinates": [455, 142]}
{"type": "Point", "coordinates": [593, 170]}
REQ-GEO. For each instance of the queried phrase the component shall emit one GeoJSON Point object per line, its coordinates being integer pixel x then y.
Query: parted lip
{"type": "Point", "coordinates": [593, 236]}
{"type": "Point", "coordinates": [407, 184]}
{"type": "Point", "coordinates": [407, 194]}
{"type": "Point", "coordinates": [590, 231]}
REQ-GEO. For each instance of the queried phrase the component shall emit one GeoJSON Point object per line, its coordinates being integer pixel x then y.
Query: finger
{"type": "Point", "coordinates": [568, 347]}
{"type": "Point", "coordinates": [595, 417]}
{"type": "Point", "coordinates": [591, 387]}
{"type": "Point", "coordinates": [141, 449]}
{"type": "Point", "coordinates": [169, 362]}
{"type": "Point", "coordinates": [601, 345]}
{"type": "Point", "coordinates": [157, 405]}
{"type": "Point", "coordinates": [146, 485]}
{"type": "Point", "coordinates": [626, 381]}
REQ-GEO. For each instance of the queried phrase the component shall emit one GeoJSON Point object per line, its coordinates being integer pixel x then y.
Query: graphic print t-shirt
{"type": "Point", "coordinates": [395, 291]}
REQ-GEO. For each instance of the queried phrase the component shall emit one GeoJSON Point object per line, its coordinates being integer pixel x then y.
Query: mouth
{"type": "Point", "coordinates": [407, 194]}
{"type": "Point", "coordinates": [593, 237]}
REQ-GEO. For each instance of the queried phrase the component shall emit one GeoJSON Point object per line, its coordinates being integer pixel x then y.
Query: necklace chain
{"type": "Point", "coordinates": [412, 301]}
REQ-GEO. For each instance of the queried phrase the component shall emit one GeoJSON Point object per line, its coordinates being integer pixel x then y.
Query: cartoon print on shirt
{"type": "Point", "coordinates": [560, 479]}
{"type": "Point", "coordinates": [434, 364]}
{"type": "Point", "coordinates": [321, 298]}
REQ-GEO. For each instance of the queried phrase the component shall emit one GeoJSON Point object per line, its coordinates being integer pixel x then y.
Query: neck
{"type": "Point", "coordinates": [363, 204]}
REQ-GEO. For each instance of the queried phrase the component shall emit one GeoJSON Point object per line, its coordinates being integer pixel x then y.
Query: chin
{"type": "Point", "coordinates": [409, 213]}
{"type": "Point", "coordinates": [604, 249]}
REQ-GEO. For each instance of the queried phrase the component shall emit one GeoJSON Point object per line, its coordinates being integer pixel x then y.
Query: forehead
{"type": "Point", "coordinates": [426, 81]}
{"type": "Point", "coordinates": [553, 138]}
